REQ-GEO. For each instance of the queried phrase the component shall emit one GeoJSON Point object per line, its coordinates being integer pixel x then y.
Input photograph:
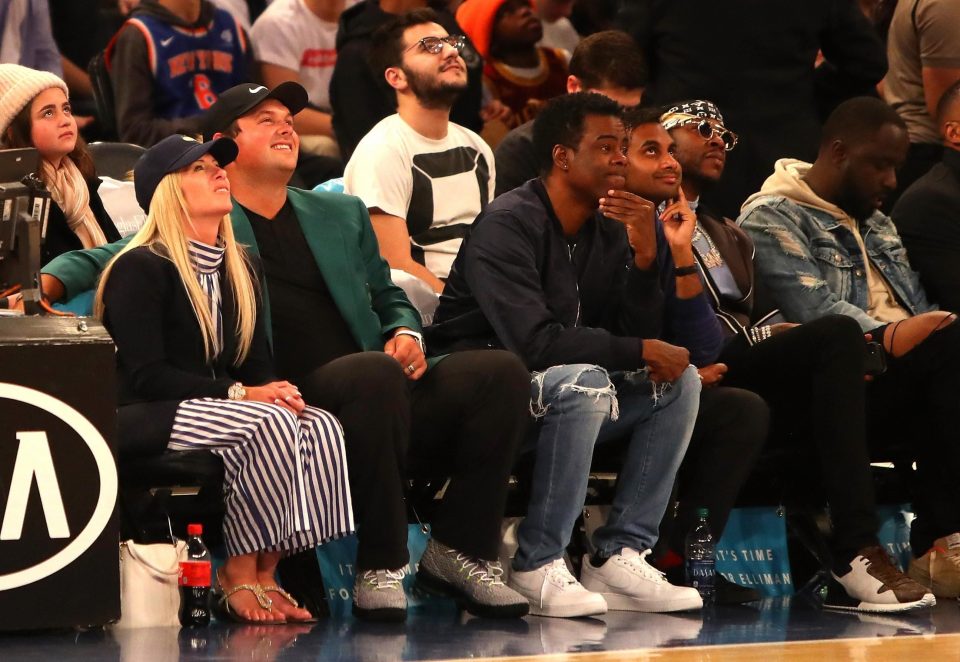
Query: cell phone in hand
{"type": "Point", "coordinates": [876, 359]}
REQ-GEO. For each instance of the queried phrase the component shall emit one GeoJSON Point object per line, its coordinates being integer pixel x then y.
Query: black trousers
{"type": "Point", "coordinates": [914, 407]}
{"type": "Point", "coordinates": [731, 430]}
{"type": "Point", "coordinates": [812, 376]}
{"type": "Point", "coordinates": [463, 419]}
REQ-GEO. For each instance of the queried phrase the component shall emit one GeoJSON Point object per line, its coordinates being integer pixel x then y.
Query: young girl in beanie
{"type": "Point", "coordinates": [35, 112]}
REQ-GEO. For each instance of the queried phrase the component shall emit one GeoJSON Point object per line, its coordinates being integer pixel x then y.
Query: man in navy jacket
{"type": "Point", "coordinates": [545, 276]}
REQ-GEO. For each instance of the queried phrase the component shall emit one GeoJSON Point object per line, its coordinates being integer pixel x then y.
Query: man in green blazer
{"type": "Point", "coordinates": [350, 339]}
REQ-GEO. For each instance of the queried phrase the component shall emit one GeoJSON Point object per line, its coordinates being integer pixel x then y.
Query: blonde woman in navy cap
{"type": "Point", "coordinates": [195, 372]}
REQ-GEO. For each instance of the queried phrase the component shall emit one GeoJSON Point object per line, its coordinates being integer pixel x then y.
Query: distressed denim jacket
{"type": "Point", "coordinates": [812, 265]}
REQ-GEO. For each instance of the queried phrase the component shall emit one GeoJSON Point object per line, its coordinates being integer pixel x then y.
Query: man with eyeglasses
{"type": "Point", "coordinates": [811, 376]}
{"type": "Point", "coordinates": [359, 95]}
{"type": "Point", "coordinates": [422, 177]}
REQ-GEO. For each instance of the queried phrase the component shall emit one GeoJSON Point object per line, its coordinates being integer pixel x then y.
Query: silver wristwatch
{"type": "Point", "coordinates": [413, 334]}
{"type": "Point", "coordinates": [236, 392]}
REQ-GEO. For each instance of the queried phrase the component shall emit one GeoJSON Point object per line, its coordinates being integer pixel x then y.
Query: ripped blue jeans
{"type": "Point", "coordinates": [578, 406]}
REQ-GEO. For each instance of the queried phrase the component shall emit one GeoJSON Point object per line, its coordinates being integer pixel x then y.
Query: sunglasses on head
{"type": "Point", "coordinates": [434, 45]}
{"type": "Point", "coordinates": [706, 131]}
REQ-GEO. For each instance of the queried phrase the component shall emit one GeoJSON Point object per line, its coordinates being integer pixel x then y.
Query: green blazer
{"type": "Point", "coordinates": [337, 228]}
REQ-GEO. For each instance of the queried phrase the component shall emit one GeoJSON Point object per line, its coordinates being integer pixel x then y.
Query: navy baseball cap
{"type": "Point", "coordinates": [171, 154]}
{"type": "Point", "coordinates": [241, 99]}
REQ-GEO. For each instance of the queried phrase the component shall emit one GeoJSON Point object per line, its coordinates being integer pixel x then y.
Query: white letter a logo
{"type": "Point", "coordinates": [34, 459]}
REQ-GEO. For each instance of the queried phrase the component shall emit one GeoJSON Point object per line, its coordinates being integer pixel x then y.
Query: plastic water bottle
{"type": "Point", "coordinates": [195, 575]}
{"type": "Point", "coordinates": [700, 553]}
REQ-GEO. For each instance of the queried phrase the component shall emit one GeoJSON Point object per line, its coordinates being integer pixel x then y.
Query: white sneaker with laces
{"type": "Point", "coordinates": [553, 591]}
{"type": "Point", "coordinates": [628, 583]}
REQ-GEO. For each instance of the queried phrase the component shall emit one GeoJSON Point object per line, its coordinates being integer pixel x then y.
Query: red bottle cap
{"type": "Point", "coordinates": [194, 529]}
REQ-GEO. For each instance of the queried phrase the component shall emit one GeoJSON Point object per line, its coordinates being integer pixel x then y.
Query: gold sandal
{"type": "Point", "coordinates": [226, 611]}
{"type": "Point", "coordinates": [273, 588]}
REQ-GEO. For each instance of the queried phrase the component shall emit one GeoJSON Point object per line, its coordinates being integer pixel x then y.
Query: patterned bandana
{"type": "Point", "coordinates": [689, 110]}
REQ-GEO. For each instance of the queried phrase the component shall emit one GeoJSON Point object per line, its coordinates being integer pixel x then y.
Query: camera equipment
{"type": "Point", "coordinates": [24, 206]}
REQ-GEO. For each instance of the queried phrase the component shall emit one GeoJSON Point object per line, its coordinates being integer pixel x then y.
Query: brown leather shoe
{"type": "Point", "coordinates": [939, 568]}
{"type": "Point", "coordinates": [874, 584]}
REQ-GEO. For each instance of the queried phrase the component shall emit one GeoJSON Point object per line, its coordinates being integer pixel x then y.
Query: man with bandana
{"type": "Point", "coordinates": [823, 396]}
{"type": "Point", "coordinates": [422, 177]}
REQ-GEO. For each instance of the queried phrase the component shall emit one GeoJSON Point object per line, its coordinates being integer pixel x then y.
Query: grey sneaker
{"type": "Point", "coordinates": [378, 596]}
{"type": "Point", "coordinates": [474, 583]}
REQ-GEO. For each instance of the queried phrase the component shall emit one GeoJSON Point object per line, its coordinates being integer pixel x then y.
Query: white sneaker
{"type": "Point", "coordinates": [553, 591]}
{"type": "Point", "coordinates": [628, 583]}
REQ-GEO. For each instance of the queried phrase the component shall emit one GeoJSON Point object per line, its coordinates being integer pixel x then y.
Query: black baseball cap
{"type": "Point", "coordinates": [240, 99]}
{"type": "Point", "coordinates": [171, 154]}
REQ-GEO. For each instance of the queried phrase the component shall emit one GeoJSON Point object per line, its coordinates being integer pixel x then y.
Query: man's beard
{"type": "Point", "coordinates": [431, 94]}
{"type": "Point", "coordinates": [858, 210]}
{"type": "Point", "coordinates": [697, 177]}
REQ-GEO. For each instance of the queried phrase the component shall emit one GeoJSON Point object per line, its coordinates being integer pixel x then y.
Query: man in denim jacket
{"type": "Point", "coordinates": [822, 247]}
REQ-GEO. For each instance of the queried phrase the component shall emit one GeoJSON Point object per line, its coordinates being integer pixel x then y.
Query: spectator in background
{"type": "Point", "coordinates": [77, 31]}
{"type": "Point", "coordinates": [296, 40]}
{"type": "Point", "coordinates": [590, 16]}
{"type": "Point", "coordinates": [27, 37]}
{"type": "Point", "coordinates": [924, 52]}
{"type": "Point", "coordinates": [360, 96]}
{"type": "Point", "coordinates": [755, 60]}
{"type": "Point", "coordinates": [169, 62]}
{"type": "Point", "coordinates": [35, 112]}
{"type": "Point", "coordinates": [927, 215]}
{"type": "Point", "coordinates": [608, 63]}
{"type": "Point", "coordinates": [823, 246]}
{"type": "Point", "coordinates": [245, 11]}
{"type": "Point", "coordinates": [422, 177]}
{"type": "Point", "coordinates": [519, 73]}
{"type": "Point", "coordinates": [558, 31]}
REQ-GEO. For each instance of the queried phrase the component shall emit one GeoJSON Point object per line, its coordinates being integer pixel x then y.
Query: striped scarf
{"type": "Point", "coordinates": [206, 262]}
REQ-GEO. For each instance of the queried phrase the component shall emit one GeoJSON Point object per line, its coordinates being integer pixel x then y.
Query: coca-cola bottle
{"type": "Point", "coordinates": [195, 574]}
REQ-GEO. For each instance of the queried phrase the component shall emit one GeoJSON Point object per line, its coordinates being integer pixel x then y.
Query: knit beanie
{"type": "Point", "coordinates": [18, 86]}
{"type": "Point", "coordinates": [476, 18]}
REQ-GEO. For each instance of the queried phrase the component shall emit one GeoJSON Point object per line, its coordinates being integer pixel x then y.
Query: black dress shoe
{"type": "Point", "coordinates": [725, 592]}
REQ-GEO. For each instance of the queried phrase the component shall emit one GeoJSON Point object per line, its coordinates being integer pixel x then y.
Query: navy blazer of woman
{"type": "Point", "coordinates": [160, 357]}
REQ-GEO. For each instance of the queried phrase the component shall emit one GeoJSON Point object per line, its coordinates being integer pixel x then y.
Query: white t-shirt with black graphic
{"type": "Point", "coordinates": [438, 186]}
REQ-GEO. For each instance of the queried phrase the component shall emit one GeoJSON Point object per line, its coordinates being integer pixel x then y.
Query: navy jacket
{"type": "Point", "coordinates": [519, 284]}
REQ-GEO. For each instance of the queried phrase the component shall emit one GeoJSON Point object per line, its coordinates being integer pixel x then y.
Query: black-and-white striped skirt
{"type": "Point", "coordinates": [285, 478]}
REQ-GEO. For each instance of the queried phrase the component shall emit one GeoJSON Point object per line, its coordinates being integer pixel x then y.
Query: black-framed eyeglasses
{"type": "Point", "coordinates": [434, 45]}
{"type": "Point", "coordinates": [706, 131]}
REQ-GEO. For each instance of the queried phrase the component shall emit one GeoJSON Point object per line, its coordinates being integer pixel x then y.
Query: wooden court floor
{"type": "Point", "coordinates": [874, 649]}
